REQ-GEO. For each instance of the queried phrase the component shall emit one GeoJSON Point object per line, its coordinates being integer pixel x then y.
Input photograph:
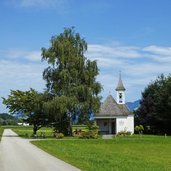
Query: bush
{"type": "Point", "coordinates": [58, 135]}
{"type": "Point", "coordinates": [92, 133]}
{"type": "Point", "coordinates": [88, 135]}
{"type": "Point", "coordinates": [123, 133]}
{"type": "Point", "coordinates": [139, 129]}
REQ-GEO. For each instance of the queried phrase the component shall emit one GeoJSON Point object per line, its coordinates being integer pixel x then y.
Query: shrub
{"type": "Point", "coordinates": [139, 129]}
{"type": "Point", "coordinates": [92, 133]}
{"type": "Point", "coordinates": [123, 133]}
{"type": "Point", "coordinates": [42, 135]}
{"type": "Point", "coordinates": [89, 134]}
{"type": "Point", "coordinates": [77, 132]}
{"type": "Point", "coordinates": [58, 135]}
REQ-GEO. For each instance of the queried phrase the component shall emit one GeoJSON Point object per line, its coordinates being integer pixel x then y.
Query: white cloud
{"type": "Point", "coordinates": [22, 54]}
{"type": "Point", "coordinates": [117, 51]}
{"type": "Point", "coordinates": [16, 75]}
{"type": "Point", "coordinates": [22, 76]}
{"type": "Point", "coordinates": [166, 51]}
{"type": "Point", "coordinates": [139, 66]}
{"type": "Point", "coordinates": [158, 53]}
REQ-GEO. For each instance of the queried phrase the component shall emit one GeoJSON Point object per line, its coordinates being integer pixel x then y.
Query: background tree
{"type": "Point", "coordinates": [155, 109]}
{"type": "Point", "coordinates": [71, 75]}
{"type": "Point", "coordinates": [31, 103]}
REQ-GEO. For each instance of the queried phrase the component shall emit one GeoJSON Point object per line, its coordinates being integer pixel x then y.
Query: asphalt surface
{"type": "Point", "coordinates": [17, 154]}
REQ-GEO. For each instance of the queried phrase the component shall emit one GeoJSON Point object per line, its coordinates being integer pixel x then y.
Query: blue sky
{"type": "Point", "coordinates": [131, 36]}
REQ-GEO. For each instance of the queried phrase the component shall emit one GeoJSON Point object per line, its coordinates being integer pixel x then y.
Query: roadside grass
{"type": "Point", "coordinates": [133, 153]}
{"type": "Point", "coordinates": [1, 132]}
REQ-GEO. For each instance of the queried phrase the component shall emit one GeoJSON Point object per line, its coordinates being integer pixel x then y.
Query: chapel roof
{"type": "Point", "coordinates": [111, 108]}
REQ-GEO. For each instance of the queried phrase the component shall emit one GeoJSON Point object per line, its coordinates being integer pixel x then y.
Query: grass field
{"type": "Point", "coordinates": [26, 132]}
{"type": "Point", "coordinates": [134, 153]}
{"type": "Point", "coordinates": [1, 132]}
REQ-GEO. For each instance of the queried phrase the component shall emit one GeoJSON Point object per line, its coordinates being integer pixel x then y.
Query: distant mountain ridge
{"type": "Point", "coordinates": [133, 105]}
{"type": "Point", "coordinates": [6, 116]}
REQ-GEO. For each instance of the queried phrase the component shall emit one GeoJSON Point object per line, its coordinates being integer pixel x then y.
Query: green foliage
{"type": "Point", "coordinates": [139, 129]}
{"type": "Point", "coordinates": [1, 132]}
{"type": "Point", "coordinates": [123, 133]}
{"type": "Point", "coordinates": [31, 104]}
{"type": "Point", "coordinates": [71, 83]}
{"type": "Point", "coordinates": [91, 133]}
{"type": "Point", "coordinates": [58, 135]}
{"type": "Point", "coordinates": [57, 109]}
{"type": "Point", "coordinates": [130, 153]}
{"type": "Point", "coordinates": [70, 79]}
{"type": "Point", "coordinates": [155, 108]}
{"type": "Point", "coordinates": [80, 127]}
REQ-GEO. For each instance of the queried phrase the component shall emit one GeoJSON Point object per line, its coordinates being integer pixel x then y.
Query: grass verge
{"type": "Point", "coordinates": [147, 153]}
{"type": "Point", "coordinates": [1, 132]}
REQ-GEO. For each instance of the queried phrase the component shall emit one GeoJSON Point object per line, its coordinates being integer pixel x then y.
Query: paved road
{"type": "Point", "coordinates": [17, 154]}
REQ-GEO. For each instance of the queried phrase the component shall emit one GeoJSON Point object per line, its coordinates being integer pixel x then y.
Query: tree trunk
{"type": "Point", "coordinates": [35, 128]}
{"type": "Point", "coordinates": [70, 125]}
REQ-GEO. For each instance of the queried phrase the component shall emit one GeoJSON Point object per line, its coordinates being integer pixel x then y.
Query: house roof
{"type": "Point", "coordinates": [111, 108]}
{"type": "Point", "coordinates": [120, 85]}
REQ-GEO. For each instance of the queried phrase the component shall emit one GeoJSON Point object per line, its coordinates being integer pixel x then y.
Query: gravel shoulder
{"type": "Point", "coordinates": [17, 154]}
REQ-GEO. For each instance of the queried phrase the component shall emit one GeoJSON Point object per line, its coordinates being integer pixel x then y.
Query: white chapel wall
{"type": "Point", "coordinates": [121, 124]}
{"type": "Point", "coordinates": [130, 123]}
{"type": "Point", "coordinates": [125, 123]}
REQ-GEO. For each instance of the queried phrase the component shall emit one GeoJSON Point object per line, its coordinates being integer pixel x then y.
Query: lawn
{"type": "Point", "coordinates": [134, 153]}
{"type": "Point", "coordinates": [26, 132]}
{"type": "Point", "coordinates": [1, 132]}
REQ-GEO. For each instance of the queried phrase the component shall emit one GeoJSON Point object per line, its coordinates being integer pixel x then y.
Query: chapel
{"type": "Point", "coordinates": [114, 116]}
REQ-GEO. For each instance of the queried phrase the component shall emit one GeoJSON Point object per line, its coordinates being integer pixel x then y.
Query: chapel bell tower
{"type": "Point", "coordinates": [120, 92]}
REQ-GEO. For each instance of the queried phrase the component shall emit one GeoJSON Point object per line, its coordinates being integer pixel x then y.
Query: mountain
{"type": "Point", "coordinates": [133, 105]}
{"type": "Point", "coordinates": [6, 116]}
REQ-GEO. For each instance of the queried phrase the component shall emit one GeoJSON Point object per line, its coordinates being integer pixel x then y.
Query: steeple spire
{"type": "Point", "coordinates": [120, 86]}
{"type": "Point", "coordinates": [120, 91]}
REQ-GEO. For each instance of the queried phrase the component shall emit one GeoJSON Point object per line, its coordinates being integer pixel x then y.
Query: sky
{"type": "Point", "coordinates": [131, 36]}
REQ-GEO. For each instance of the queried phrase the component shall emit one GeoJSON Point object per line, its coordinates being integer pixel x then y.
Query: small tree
{"type": "Point", "coordinates": [31, 104]}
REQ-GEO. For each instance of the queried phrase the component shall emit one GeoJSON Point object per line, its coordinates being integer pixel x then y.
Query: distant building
{"type": "Point", "coordinates": [114, 116]}
{"type": "Point", "coordinates": [23, 124]}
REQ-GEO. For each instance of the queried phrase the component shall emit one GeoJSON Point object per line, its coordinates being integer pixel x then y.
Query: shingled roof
{"type": "Point", "coordinates": [111, 108]}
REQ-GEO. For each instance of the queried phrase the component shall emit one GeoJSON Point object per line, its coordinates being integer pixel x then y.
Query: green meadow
{"type": "Point", "coordinates": [27, 132]}
{"type": "Point", "coordinates": [134, 153]}
{"type": "Point", "coordinates": [130, 153]}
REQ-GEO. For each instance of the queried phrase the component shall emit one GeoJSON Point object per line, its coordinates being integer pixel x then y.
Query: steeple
{"type": "Point", "coordinates": [120, 91]}
{"type": "Point", "coordinates": [120, 86]}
